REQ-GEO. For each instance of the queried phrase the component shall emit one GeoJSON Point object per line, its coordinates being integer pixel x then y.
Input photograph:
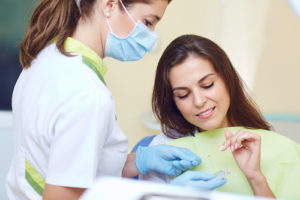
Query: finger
{"type": "Point", "coordinates": [248, 137]}
{"type": "Point", "coordinates": [185, 154]}
{"type": "Point", "coordinates": [241, 139]}
{"type": "Point", "coordinates": [176, 164]}
{"type": "Point", "coordinates": [213, 184]}
{"type": "Point", "coordinates": [173, 172]}
{"type": "Point", "coordinates": [226, 144]}
{"type": "Point", "coordinates": [197, 175]}
{"type": "Point", "coordinates": [234, 145]}
{"type": "Point", "coordinates": [182, 164]}
{"type": "Point", "coordinates": [228, 134]}
{"type": "Point", "coordinates": [166, 167]}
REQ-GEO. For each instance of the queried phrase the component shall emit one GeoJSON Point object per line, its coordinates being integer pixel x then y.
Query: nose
{"type": "Point", "coordinates": [199, 99]}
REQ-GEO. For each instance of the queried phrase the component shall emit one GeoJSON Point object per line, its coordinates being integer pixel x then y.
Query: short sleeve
{"type": "Point", "coordinates": [78, 139]}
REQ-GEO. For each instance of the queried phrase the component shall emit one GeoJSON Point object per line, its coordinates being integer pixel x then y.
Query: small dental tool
{"type": "Point", "coordinates": [219, 175]}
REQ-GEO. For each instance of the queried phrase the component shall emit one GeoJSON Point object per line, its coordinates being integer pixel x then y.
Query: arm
{"type": "Point", "coordinates": [245, 147]}
{"type": "Point", "coordinates": [53, 192]}
{"type": "Point", "coordinates": [130, 169]}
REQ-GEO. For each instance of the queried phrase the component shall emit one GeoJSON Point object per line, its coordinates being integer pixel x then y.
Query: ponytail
{"type": "Point", "coordinates": [52, 19]}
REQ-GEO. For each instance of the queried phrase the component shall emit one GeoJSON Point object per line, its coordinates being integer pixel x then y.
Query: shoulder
{"type": "Point", "coordinates": [160, 139]}
{"type": "Point", "coordinates": [52, 61]}
{"type": "Point", "coordinates": [61, 83]}
{"type": "Point", "coordinates": [67, 73]}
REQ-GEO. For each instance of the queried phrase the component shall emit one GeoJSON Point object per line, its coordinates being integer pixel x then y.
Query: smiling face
{"type": "Point", "coordinates": [200, 94]}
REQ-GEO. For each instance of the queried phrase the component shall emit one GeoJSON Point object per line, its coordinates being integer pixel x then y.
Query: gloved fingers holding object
{"type": "Point", "coordinates": [165, 159]}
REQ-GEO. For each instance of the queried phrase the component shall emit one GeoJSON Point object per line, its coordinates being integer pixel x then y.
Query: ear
{"type": "Point", "coordinates": [108, 6]}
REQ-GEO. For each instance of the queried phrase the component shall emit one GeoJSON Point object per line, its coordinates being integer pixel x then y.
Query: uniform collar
{"type": "Point", "coordinates": [75, 46]}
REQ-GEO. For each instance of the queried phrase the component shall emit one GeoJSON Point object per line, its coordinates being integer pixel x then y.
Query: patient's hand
{"type": "Point", "coordinates": [245, 147]}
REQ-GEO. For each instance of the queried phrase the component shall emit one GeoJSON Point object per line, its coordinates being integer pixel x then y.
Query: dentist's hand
{"type": "Point", "coordinates": [198, 180]}
{"type": "Point", "coordinates": [165, 159]}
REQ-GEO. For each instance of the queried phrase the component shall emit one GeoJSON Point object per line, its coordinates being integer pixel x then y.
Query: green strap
{"type": "Point", "coordinates": [89, 63]}
{"type": "Point", "coordinates": [35, 180]}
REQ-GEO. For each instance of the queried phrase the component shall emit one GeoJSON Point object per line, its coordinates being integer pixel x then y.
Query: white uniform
{"type": "Point", "coordinates": [65, 125]}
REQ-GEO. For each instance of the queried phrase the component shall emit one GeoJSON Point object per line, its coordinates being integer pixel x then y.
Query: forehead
{"type": "Point", "coordinates": [190, 71]}
{"type": "Point", "coordinates": [155, 7]}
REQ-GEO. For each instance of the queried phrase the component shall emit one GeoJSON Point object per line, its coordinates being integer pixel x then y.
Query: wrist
{"type": "Point", "coordinates": [256, 178]}
{"type": "Point", "coordinates": [140, 161]}
{"type": "Point", "coordinates": [260, 187]}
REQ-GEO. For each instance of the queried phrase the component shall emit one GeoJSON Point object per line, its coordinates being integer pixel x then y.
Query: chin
{"type": "Point", "coordinates": [209, 126]}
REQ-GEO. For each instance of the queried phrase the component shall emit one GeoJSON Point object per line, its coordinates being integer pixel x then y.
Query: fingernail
{"type": "Point", "coordinates": [231, 147]}
{"type": "Point", "coordinates": [195, 162]}
{"type": "Point", "coordinates": [221, 148]}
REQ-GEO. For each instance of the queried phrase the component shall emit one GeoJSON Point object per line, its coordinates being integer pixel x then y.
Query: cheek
{"type": "Point", "coordinates": [122, 25]}
{"type": "Point", "coordinates": [224, 99]}
{"type": "Point", "coordinates": [219, 94]}
{"type": "Point", "coordinates": [183, 107]}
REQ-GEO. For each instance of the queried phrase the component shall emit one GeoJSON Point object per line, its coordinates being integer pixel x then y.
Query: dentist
{"type": "Point", "coordinates": [66, 133]}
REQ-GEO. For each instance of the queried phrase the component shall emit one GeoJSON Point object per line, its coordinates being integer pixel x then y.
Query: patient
{"type": "Point", "coordinates": [199, 98]}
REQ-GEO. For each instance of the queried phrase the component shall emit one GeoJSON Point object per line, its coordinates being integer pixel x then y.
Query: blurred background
{"type": "Point", "coordinates": [261, 37]}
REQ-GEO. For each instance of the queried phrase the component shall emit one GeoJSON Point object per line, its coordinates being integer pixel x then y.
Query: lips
{"type": "Point", "coordinates": [207, 113]}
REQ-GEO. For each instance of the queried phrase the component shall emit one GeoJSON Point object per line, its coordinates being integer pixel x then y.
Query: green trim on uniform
{"type": "Point", "coordinates": [90, 64]}
{"type": "Point", "coordinates": [89, 57]}
{"type": "Point", "coordinates": [35, 180]}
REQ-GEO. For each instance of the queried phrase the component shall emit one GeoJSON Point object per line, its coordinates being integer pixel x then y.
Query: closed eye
{"type": "Point", "coordinates": [208, 86]}
{"type": "Point", "coordinates": [183, 96]}
{"type": "Point", "coordinates": [148, 23]}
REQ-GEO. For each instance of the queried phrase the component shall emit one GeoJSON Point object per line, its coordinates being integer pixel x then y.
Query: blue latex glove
{"type": "Point", "coordinates": [199, 180]}
{"type": "Point", "coordinates": [165, 159]}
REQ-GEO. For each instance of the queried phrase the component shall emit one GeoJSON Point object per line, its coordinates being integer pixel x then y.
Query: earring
{"type": "Point", "coordinates": [107, 14]}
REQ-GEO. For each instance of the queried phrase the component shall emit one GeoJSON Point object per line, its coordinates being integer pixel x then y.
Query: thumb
{"type": "Point", "coordinates": [226, 144]}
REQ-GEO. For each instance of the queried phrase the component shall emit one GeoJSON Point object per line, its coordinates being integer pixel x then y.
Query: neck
{"type": "Point", "coordinates": [92, 33]}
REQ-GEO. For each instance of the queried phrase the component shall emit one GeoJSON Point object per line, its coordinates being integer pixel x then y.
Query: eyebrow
{"type": "Point", "coordinates": [155, 16]}
{"type": "Point", "coordinates": [201, 80]}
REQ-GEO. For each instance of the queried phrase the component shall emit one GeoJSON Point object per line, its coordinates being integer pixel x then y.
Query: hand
{"type": "Point", "coordinates": [165, 159]}
{"type": "Point", "coordinates": [245, 147]}
{"type": "Point", "coordinates": [199, 180]}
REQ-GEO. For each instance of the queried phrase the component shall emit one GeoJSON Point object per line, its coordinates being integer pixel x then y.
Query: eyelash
{"type": "Point", "coordinates": [205, 87]}
{"type": "Point", "coordinates": [208, 86]}
{"type": "Point", "coordinates": [182, 97]}
{"type": "Point", "coordinates": [148, 23]}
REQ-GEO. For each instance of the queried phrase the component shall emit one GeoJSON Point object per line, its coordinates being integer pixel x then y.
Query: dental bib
{"type": "Point", "coordinates": [280, 161]}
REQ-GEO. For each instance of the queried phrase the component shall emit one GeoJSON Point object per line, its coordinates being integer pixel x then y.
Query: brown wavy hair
{"type": "Point", "coordinates": [242, 110]}
{"type": "Point", "coordinates": [55, 19]}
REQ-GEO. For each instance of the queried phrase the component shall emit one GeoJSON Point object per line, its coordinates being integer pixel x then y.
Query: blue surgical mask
{"type": "Point", "coordinates": [134, 46]}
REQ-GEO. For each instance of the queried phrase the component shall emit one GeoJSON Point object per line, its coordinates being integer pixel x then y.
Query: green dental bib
{"type": "Point", "coordinates": [280, 161]}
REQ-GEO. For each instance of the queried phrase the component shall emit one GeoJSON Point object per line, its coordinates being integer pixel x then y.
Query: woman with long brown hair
{"type": "Point", "coordinates": [64, 115]}
{"type": "Point", "coordinates": [198, 97]}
